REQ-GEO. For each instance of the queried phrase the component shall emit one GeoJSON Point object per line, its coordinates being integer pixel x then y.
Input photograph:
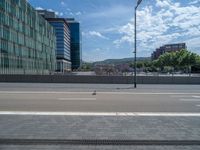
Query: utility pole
{"type": "Point", "coordinates": [135, 51]}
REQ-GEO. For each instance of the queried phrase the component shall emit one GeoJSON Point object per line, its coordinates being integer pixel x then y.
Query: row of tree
{"type": "Point", "coordinates": [182, 61]}
{"type": "Point", "coordinates": [87, 66]}
{"type": "Point", "coordinates": [169, 62]}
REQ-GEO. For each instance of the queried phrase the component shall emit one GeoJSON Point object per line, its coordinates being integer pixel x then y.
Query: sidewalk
{"type": "Point", "coordinates": [91, 127]}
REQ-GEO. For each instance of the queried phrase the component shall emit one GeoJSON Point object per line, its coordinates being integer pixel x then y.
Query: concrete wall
{"type": "Point", "coordinates": [98, 79]}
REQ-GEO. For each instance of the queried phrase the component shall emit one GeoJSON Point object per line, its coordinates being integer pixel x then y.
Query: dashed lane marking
{"type": "Point", "coordinates": [77, 99]}
{"type": "Point", "coordinates": [190, 100]}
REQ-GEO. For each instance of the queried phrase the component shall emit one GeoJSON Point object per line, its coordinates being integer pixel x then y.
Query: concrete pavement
{"type": "Point", "coordinates": [101, 127]}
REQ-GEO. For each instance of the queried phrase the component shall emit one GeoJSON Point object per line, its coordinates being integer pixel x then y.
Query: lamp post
{"type": "Point", "coordinates": [135, 51]}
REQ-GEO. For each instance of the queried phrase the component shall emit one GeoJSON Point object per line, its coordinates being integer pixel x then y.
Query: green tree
{"type": "Point", "coordinates": [174, 61]}
{"type": "Point", "coordinates": [198, 60]}
{"type": "Point", "coordinates": [87, 67]}
{"type": "Point", "coordinates": [178, 60]}
{"type": "Point", "coordinates": [140, 64]}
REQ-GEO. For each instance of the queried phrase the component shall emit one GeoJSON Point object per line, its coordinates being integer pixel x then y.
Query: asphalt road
{"type": "Point", "coordinates": [108, 98]}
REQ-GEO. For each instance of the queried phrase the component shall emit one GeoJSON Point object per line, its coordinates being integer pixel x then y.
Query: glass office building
{"type": "Point", "coordinates": [75, 43]}
{"type": "Point", "coordinates": [27, 40]}
{"type": "Point", "coordinates": [63, 55]}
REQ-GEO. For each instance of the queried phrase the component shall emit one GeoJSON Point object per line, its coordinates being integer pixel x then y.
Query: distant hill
{"type": "Point", "coordinates": [120, 61]}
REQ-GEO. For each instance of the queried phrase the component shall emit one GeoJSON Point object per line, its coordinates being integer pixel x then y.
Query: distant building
{"type": "Point", "coordinates": [27, 40]}
{"type": "Point", "coordinates": [75, 43]}
{"type": "Point", "coordinates": [75, 40]}
{"type": "Point", "coordinates": [63, 53]}
{"type": "Point", "coordinates": [167, 49]}
{"type": "Point", "coordinates": [47, 14]}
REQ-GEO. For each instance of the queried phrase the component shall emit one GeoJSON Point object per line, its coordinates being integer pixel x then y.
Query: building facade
{"type": "Point", "coordinates": [76, 54]}
{"type": "Point", "coordinates": [167, 49]}
{"type": "Point", "coordinates": [27, 40]}
{"type": "Point", "coordinates": [63, 53]}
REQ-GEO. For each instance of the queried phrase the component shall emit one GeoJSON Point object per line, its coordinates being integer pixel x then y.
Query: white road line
{"type": "Point", "coordinates": [196, 96]}
{"type": "Point", "coordinates": [117, 93]}
{"type": "Point", "coordinates": [77, 99]}
{"type": "Point", "coordinates": [198, 105]}
{"type": "Point", "coordinates": [44, 92]}
{"type": "Point", "coordinates": [190, 100]}
{"type": "Point", "coordinates": [181, 96]}
{"type": "Point", "coordinates": [145, 114]}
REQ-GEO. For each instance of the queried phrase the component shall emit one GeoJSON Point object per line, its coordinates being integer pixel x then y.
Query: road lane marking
{"type": "Point", "coordinates": [117, 93]}
{"type": "Point", "coordinates": [196, 96]}
{"type": "Point", "coordinates": [144, 114]}
{"type": "Point", "coordinates": [181, 96]}
{"type": "Point", "coordinates": [198, 105]}
{"type": "Point", "coordinates": [77, 99]}
{"type": "Point", "coordinates": [190, 100]}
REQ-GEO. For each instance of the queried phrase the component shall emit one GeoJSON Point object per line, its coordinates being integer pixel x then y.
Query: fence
{"type": "Point", "coordinates": [99, 79]}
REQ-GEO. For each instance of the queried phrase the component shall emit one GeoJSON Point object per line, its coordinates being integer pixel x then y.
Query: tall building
{"type": "Point", "coordinates": [63, 54]}
{"type": "Point", "coordinates": [76, 57]}
{"type": "Point", "coordinates": [47, 14]}
{"type": "Point", "coordinates": [167, 49]}
{"type": "Point", "coordinates": [27, 40]}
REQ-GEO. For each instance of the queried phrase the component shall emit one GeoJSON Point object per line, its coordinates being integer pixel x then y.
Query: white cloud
{"type": "Point", "coordinates": [39, 8]}
{"type": "Point", "coordinates": [51, 10]}
{"type": "Point", "coordinates": [162, 3]}
{"type": "Point", "coordinates": [187, 17]}
{"type": "Point", "coordinates": [171, 23]}
{"type": "Point", "coordinates": [111, 12]}
{"type": "Point", "coordinates": [61, 14]}
{"type": "Point", "coordinates": [111, 29]}
{"type": "Point", "coordinates": [96, 34]}
{"type": "Point", "coordinates": [195, 2]}
{"type": "Point", "coordinates": [62, 3]}
{"type": "Point", "coordinates": [69, 12]}
{"type": "Point", "coordinates": [84, 34]}
{"type": "Point", "coordinates": [78, 13]}
{"type": "Point", "coordinates": [193, 44]}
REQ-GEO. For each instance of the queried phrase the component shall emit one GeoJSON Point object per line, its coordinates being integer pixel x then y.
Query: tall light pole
{"type": "Point", "coordinates": [135, 51]}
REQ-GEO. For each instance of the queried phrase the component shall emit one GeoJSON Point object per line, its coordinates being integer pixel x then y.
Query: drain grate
{"type": "Point", "coordinates": [97, 142]}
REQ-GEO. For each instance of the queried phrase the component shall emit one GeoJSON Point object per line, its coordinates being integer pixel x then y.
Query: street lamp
{"type": "Point", "coordinates": [135, 60]}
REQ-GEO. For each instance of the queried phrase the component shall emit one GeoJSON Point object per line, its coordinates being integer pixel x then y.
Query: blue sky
{"type": "Point", "coordinates": [108, 31]}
